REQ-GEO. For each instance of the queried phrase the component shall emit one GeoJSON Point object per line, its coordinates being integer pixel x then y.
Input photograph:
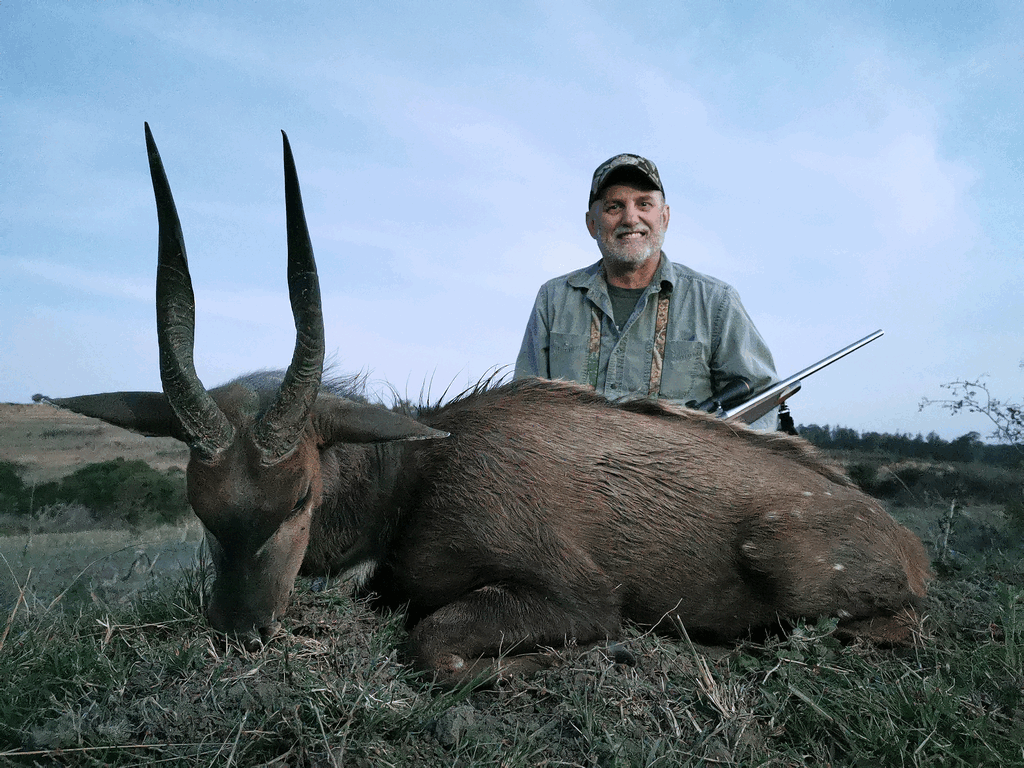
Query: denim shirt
{"type": "Point", "coordinates": [710, 337]}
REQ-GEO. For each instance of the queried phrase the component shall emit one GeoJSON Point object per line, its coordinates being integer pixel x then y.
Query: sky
{"type": "Point", "coordinates": [846, 166]}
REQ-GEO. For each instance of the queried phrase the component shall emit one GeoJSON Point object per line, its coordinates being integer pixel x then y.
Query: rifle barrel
{"type": "Point", "coordinates": [748, 408]}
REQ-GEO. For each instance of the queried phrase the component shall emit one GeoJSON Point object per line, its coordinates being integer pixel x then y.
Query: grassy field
{"type": "Point", "coordinates": [122, 670]}
{"type": "Point", "coordinates": [105, 567]}
{"type": "Point", "coordinates": [143, 681]}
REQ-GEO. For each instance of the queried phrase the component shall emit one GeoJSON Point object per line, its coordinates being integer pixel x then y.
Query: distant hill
{"type": "Point", "coordinates": [49, 443]}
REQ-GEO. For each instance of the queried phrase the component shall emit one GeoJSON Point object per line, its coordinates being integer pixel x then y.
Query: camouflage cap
{"type": "Point", "coordinates": [637, 164]}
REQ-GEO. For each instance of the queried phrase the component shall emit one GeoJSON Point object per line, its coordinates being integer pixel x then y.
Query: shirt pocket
{"type": "Point", "coordinates": [685, 374]}
{"type": "Point", "coordinates": [567, 356]}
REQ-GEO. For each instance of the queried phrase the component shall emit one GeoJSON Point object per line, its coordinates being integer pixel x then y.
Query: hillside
{"type": "Point", "coordinates": [49, 443]}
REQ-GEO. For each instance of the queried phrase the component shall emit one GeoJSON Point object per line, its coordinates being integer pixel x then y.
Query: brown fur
{"type": "Point", "coordinates": [551, 514]}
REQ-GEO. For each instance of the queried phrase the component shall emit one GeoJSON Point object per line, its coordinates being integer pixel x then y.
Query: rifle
{"type": "Point", "coordinates": [734, 402]}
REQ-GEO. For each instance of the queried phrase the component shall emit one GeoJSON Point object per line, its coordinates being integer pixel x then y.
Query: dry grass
{"type": "Point", "coordinates": [148, 683]}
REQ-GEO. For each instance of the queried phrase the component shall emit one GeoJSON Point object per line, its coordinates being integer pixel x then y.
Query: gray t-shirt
{"type": "Point", "coordinates": [623, 302]}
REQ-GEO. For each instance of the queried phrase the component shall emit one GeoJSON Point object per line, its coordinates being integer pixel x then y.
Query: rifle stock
{"type": "Point", "coordinates": [755, 407]}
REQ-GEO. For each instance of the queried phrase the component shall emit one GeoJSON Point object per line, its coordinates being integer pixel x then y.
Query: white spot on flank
{"type": "Point", "coordinates": [838, 567]}
{"type": "Point", "coordinates": [844, 614]}
{"type": "Point", "coordinates": [807, 493]}
{"type": "Point", "coordinates": [748, 547]}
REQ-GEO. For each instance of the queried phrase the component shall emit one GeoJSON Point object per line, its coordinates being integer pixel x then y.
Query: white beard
{"type": "Point", "coordinates": [625, 254]}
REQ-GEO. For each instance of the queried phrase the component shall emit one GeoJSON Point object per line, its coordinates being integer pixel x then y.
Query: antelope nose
{"type": "Point", "coordinates": [217, 619]}
{"type": "Point", "coordinates": [268, 632]}
{"type": "Point", "coordinates": [255, 640]}
{"type": "Point", "coordinates": [248, 630]}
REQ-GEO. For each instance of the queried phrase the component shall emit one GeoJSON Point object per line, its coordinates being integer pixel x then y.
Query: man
{"type": "Point", "coordinates": [635, 324]}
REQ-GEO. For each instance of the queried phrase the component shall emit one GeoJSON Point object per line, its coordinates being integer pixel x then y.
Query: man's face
{"type": "Point", "coordinates": [629, 224]}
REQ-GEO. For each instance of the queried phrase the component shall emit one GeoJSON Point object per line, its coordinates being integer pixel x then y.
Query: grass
{"type": "Point", "coordinates": [148, 683]}
{"type": "Point", "coordinates": [143, 681]}
{"type": "Point", "coordinates": [104, 566]}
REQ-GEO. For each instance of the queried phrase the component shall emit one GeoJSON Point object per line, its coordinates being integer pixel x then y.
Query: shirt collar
{"type": "Point", "coordinates": [592, 278]}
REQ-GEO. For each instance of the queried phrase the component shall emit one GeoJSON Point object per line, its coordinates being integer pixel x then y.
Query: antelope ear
{"type": "Point", "coordinates": [147, 413]}
{"type": "Point", "coordinates": [338, 420]}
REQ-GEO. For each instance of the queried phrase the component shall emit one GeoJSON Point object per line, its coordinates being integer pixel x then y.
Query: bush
{"type": "Point", "coordinates": [64, 518]}
{"type": "Point", "coordinates": [863, 473]}
{"type": "Point", "coordinates": [120, 490]}
{"type": "Point", "coordinates": [14, 494]}
{"type": "Point", "coordinates": [912, 482]}
{"type": "Point", "coordinates": [1014, 511]}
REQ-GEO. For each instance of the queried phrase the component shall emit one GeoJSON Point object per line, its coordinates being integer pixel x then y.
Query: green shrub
{"type": "Point", "coordinates": [1014, 511]}
{"type": "Point", "coordinates": [14, 494]}
{"type": "Point", "coordinates": [911, 482]}
{"type": "Point", "coordinates": [131, 491]}
{"type": "Point", "coordinates": [863, 474]}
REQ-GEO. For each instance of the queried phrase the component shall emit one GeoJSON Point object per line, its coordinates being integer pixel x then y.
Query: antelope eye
{"type": "Point", "coordinates": [303, 500]}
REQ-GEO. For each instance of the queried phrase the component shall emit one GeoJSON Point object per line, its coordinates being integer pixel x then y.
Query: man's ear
{"type": "Point", "coordinates": [665, 216]}
{"type": "Point", "coordinates": [591, 224]}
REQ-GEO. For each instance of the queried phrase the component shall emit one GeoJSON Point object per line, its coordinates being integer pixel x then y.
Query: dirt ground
{"type": "Point", "coordinates": [49, 442]}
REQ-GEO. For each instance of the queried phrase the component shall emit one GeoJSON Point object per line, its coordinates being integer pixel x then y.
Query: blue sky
{"type": "Point", "coordinates": [846, 166]}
